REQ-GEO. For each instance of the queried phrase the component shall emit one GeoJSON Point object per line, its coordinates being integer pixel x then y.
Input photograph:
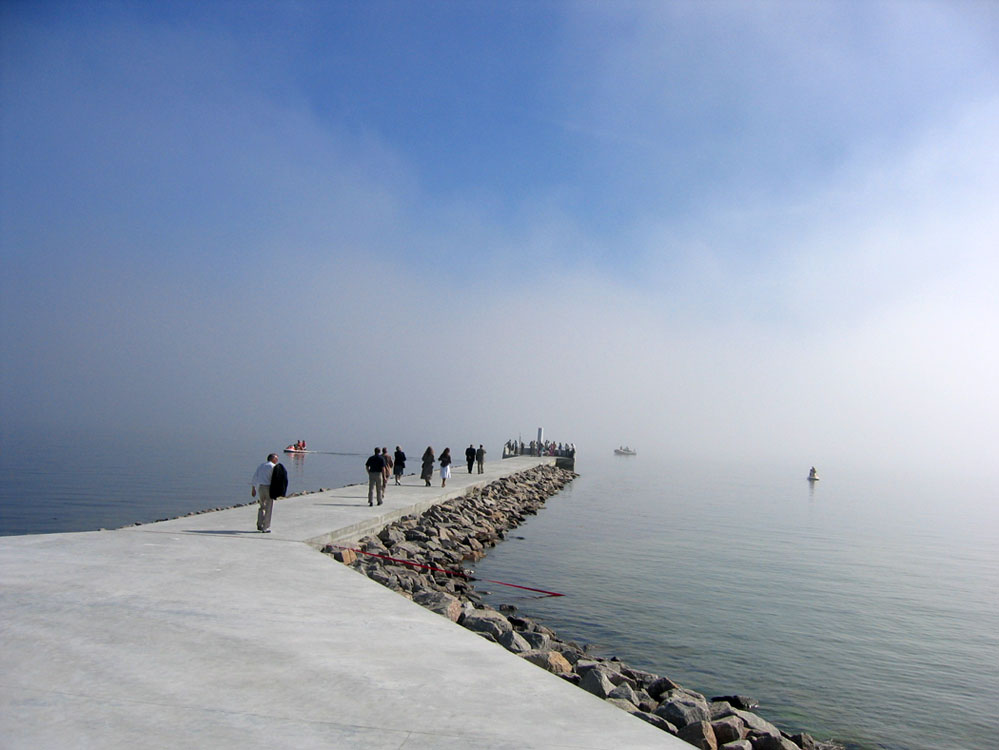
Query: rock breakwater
{"type": "Point", "coordinates": [420, 557]}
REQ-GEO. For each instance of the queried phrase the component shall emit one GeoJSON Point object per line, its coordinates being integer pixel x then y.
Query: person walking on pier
{"type": "Point", "coordinates": [470, 457]}
{"type": "Point", "coordinates": [480, 457]}
{"type": "Point", "coordinates": [260, 488]}
{"type": "Point", "coordinates": [400, 463]}
{"type": "Point", "coordinates": [445, 466]}
{"type": "Point", "coordinates": [427, 469]}
{"type": "Point", "coordinates": [387, 471]}
{"type": "Point", "coordinates": [376, 478]}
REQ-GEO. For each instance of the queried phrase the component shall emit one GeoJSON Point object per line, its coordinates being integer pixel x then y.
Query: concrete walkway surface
{"type": "Point", "coordinates": [200, 632]}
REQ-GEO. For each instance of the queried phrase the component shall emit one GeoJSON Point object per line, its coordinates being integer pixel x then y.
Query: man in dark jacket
{"type": "Point", "coordinates": [279, 482]}
{"type": "Point", "coordinates": [470, 457]}
{"type": "Point", "coordinates": [375, 466]}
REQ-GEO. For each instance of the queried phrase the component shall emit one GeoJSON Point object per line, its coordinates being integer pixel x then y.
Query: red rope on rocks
{"type": "Point", "coordinates": [442, 570]}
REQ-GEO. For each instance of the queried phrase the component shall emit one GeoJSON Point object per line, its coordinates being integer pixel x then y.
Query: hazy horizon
{"type": "Point", "coordinates": [760, 232]}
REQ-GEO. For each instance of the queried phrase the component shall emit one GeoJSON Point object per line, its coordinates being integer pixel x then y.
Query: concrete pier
{"type": "Point", "coordinates": [201, 632]}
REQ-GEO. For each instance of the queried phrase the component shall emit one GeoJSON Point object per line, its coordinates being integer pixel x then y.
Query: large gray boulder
{"type": "Point", "coordinates": [486, 621]}
{"type": "Point", "coordinates": [391, 536]}
{"type": "Point", "coordinates": [756, 725]}
{"type": "Point", "coordinates": [769, 742]}
{"type": "Point", "coordinates": [552, 661]}
{"type": "Point", "coordinates": [610, 669]}
{"type": "Point", "coordinates": [582, 666]}
{"type": "Point", "coordinates": [641, 678]}
{"type": "Point", "coordinates": [728, 729]}
{"type": "Point", "coordinates": [407, 550]}
{"type": "Point", "coordinates": [656, 721]}
{"type": "Point", "coordinates": [700, 735]}
{"type": "Point", "coordinates": [597, 681]}
{"type": "Point", "coordinates": [441, 603]}
{"type": "Point", "coordinates": [417, 535]}
{"type": "Point", "coordinates": [538, 640]}
{"type": "Point", "coordinates": [514, 641]}
{"type": "Point", "coordinates": [385, 579]}
{"type": "Point", "coordinates": [624, 692]}
{"type": "Point", "coordinates": [720, 709]}
{"type": "Point", "coordinates": [742, 702]}
{"type": "Point", "coordinates": [681, 709]}
{"type": "Point", "coordinates": [660, 686]}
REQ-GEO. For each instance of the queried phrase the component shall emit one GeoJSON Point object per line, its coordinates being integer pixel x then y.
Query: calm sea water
{"type": "Point", "coordinates": [81, 485]}
{"type": "Point", "coordinates": [864, 608]}
{"type": "Point", "coordinates": [861, 608]}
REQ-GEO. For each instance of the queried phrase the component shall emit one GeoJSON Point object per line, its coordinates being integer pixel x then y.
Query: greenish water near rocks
{"type": "Point", "coordinates": [862, 609]}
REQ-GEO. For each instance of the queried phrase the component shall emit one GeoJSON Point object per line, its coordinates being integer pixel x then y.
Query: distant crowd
{"type": "Point", "coordinates": [534, 448]}
{"type": "Point", "coordinates": [271, 480]}
{"type": "Point", "coordinates": [381, 466]}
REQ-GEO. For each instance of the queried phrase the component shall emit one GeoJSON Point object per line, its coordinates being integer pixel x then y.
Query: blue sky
{"type": "Point", "coordinates": [610, 217]}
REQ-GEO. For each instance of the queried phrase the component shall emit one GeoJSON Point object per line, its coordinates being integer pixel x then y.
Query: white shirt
{"type": "Point", "coordinates": [263, 474]}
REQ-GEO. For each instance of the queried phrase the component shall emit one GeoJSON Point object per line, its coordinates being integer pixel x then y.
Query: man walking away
{"type": "Point", "coordinates": [260, 488]}
{"type": "Point", "coordinates": [470, 457]}
{"type": "Point", "coordinates": [375, 466]}
{"type": "Point", "coordinates": [387, 471]}
{"type": "Point", "coordinates": [480, 457]}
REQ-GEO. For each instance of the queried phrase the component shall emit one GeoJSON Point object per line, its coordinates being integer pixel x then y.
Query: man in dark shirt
{"type": "Point", "coordinates": [470, 457]}
{"type": "Point", "coordinates": [375, 465]}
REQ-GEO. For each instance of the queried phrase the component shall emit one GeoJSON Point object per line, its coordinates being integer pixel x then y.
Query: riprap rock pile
{"type": "Point", "coordinates": [460, 530]}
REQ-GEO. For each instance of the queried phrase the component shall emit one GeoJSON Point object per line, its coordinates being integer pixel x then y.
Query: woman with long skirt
{"type": "Point", "coordinates": [400, 464]}
{"type": "Point", "coordinates": [427, 470]}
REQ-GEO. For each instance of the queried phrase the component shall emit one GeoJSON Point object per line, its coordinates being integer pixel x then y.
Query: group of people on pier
{"type": "Point", "coordinates": [534, 448]}
{"type": "Point", "coordinates": [381, 466]}
{"type": "Point", "coordinates": [270, 480]}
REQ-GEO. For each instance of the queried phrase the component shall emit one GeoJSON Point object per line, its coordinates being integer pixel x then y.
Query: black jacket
{"type": "Point", "coordinates": [400, 460]}
{"type": "Point", "coordinates": [279, 481]}
{"type": "Point", "coordinates": [375, 463]}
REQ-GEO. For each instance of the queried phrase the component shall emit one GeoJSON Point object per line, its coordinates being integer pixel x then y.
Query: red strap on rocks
{"type": "Point", "coordinates": [442, 570]}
